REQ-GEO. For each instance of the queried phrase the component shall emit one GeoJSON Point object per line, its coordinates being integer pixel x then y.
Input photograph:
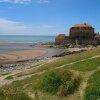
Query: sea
{"type": "Point", "coordinates": [26, 39]}
{"type": "Point", "coordinates": [23, 39]}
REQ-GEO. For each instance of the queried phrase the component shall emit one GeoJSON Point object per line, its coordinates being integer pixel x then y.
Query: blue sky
{"type": "Point", "coordinates": [46, 17]}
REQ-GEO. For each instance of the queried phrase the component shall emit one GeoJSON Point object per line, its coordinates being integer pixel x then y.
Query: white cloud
{"type": "Point", "coordinates": [17, 1]}
{"type": "Point", "coordinates": [24, 1]}
{"type": "Point", "coordinates": [47, 26]}
{"type": "Point", "coordinates": [43, 1]}
{"type": "Point", "coordinates": [18, 28]}
{"type": "Point", "coordinates": [12, 27]}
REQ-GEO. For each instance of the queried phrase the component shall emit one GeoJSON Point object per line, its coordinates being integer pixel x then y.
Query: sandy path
{"type": "Point", "coordinates": [13, 56]}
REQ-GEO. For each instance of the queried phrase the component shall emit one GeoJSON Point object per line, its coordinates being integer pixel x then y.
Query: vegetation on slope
{"type": "Point", "coordinates": [8, 93]}
{"type": "Point", "coordinates": [62, 61]}
{"type": "Point", "coordinates": [69, 59]}
{"type": "Point", "coordinates": [9, 77]}
{"type": "Point", "coordinates": [61, 82]}
{"type": "Point", "coordinates": [84, 67]}
{"type": "Point", "coordinates": [92, 91]}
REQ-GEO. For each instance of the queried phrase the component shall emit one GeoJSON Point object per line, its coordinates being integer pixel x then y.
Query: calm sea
{"type": "Point", "coordinates": [23, 39]}
{"type": "Point", "coordinates": [28, 39]}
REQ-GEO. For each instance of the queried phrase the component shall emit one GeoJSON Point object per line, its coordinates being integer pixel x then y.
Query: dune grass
{"type": "Point", "coordinates": [92, 91]}
{"type": "Point", "coordinates": [29, 84]}
{"type": "Point", "coordinates": [59, 82]}
{"type": "Point", "coordinates": [61, 61]}
{"type": "Point", "coordinates": [9, 77]}
{"type": "Point", "coordinates": [87, 65]}
{"type": "Point", "coordinates": [9, 93]}
{"type": "Point", "coordinates": [69, 59]}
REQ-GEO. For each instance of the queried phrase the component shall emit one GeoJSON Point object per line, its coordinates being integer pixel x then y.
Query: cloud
{"type": "Point", "coordinates": [17, 1]}
{"type": "Point", "coordinates": [24, 1]}
{"type": "Point", "coordinates": [43, 1]}
{"type": "Point", "coordinates": [47, 26]}
{"type": "Point", "coordinates": [12, 27]}
{"type": "Point", "coordinates": [18, 28]}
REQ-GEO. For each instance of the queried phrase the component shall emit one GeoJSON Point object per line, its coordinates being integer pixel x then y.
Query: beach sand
{"type": "Point", "coordinates": [15, 44]}
{"type": "Point", "coordinates": [20, 55]}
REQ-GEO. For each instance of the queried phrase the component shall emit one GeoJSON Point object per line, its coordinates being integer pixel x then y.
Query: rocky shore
{"type": "Point", "coordinates": [22, 65]}
{"type": "Point", "coordinates": [26, 64]}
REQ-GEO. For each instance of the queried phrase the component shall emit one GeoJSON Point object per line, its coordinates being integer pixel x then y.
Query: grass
{"type": "Point", "coordinates": [59, 82]}
{"type": "Point", "coordinates": [9, 78]}
{"type": "Point", "coordinates": [62, 61]}
{"type": "Point", "coordinates": [26, 83]}
{"type": "Point", "coordinates": [87, 65]}
{"type": "Point", "coordinates": [29, 84]}
{"type": "Point", "coordinates": [92, 91]}
{"type": "Point", "coordinates": [68, 59]}
{"type": "Point", "coordinates": [5, 74]}
{"type": "Point", "coordinates": [8, 93]}
{"type": "Point", "coordinates": [2, 74]}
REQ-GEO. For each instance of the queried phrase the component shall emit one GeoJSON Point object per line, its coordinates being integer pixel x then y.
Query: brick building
{"type": "Point", "coordinates": [60, 39]}
{"type": "Point", "coordinates": [84, 33]}
{"type": "Point", "coordinates": [97, 38]}
{"type": "Point", "coordinates": [80, 34]}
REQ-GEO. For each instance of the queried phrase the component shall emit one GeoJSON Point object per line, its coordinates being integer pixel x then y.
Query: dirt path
{"type": "Point", "coordinates": [3, 81]}
{"type": "Point", "coordinates": [83, 85]}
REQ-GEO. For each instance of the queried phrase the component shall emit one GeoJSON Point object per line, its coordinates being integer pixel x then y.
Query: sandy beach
{"type": "Point", "coordinates": [15, 44]}
{"type": "Point", "coordinates": [12, 56]}
{"type": "Point", "coordinates": [20, 55]}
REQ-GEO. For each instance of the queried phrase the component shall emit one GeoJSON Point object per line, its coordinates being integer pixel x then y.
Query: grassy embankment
{"type": "Point", "coordinates": [62, 61]}
{"type": "Point", "coordinates": [92, 91]}
{"type": "Point", "coordinates": [84, 68]}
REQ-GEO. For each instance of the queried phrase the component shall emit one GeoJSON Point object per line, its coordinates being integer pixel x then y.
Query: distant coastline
{"type": "Point", "coordinates": [13, 52]}
{"type": "Point", "coordinates": [21, 47]}
{"type": "Point", "coordinates": [25, 39]}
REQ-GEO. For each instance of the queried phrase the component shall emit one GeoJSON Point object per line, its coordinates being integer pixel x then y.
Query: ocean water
{"type": "Point", "coordinates": [7, 48]}
{"type": "Point", "coordinates": [26, 39]}
{"type": "Point", "coordinates": [22, 39]}
{"type": "Point", "coordinates": [29, 39]}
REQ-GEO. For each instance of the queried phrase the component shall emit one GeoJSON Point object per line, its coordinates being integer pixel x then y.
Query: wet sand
{"type": "Point", "coordinates": [16, 44]}
{"type": "Point", "coordinates": [20, 55]}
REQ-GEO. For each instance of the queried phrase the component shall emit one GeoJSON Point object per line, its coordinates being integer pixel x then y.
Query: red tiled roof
{"type": "Point", "coordinates": [61, 36]}
{"type": "Point", "coordinates": [97, 36]}
{"type": "Point", "coordinates": [82, 25]}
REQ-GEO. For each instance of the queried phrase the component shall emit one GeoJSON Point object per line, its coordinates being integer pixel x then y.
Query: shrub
{"type": "Point", "coordinates": [7, 93]}
{"type": "Point", "coordinates": [51, 82]}
{"type": "Point", "coordinates": [59, 82]}
{"type": "Point", "coordinates": [9, 77]}
{"type": "Point", "coordinates": [92, 91]}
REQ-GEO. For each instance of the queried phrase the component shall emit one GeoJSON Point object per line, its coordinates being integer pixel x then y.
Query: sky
{"type": "Point", "coordinates": [47, 17]}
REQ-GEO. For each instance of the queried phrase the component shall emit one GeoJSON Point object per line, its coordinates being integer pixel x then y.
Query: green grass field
{"type": "Point", "coordinates": [69, 59]}
{"type": "Point", "coordinates": [87, 65]}
{"type": "Point", "coordinates": [83, 68]}
{"type": "Point", "coordinates": [92, 91]}
{"type": "Point", "coordinates": [64, 60]}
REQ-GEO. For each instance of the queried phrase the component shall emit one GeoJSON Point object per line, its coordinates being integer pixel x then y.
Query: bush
{"type": "Point", "coordinates": [51, 46]}
{"type": "Point", "coordinates": [9, 77]}
{"type": "Point", "coordinates": [51, 82]}
{"type": "Point", "coordinates": [7, 93]}
{"type": "Point", "coordinates": [92, 91]}
{"type": "Point", "coordinates": [59, 82]}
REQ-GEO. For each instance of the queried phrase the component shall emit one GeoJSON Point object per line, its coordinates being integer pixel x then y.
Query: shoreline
{"type": "Point", "coordinates": [16, 44]}
{"type": "Point", "coordinates": [15, 60]}
{"type": "Point", "coordinates": [20, 55]}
